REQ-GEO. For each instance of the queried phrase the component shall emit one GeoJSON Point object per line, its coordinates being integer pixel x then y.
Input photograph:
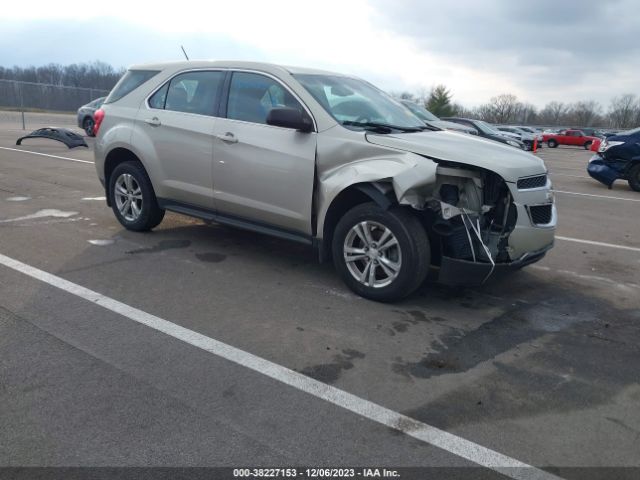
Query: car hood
{"type": "Point", "coordinates": [508, 162]}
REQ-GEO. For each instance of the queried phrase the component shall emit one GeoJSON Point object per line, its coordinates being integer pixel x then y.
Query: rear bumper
{"type": "Point", "coordinates": [456, 272]}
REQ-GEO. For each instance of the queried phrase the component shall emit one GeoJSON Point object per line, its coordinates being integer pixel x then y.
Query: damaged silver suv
{"type": "Point", "coordinates": [324, 159]}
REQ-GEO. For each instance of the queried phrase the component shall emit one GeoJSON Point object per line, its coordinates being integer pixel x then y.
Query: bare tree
{"type": "Point", "coordinates": [526, 114]}
{"type": "Point", "coordinates": [585, 113]}
{"type": "Point", "coordinates": [553, 113]}
{"type": "Point", "coordinates": [624, 111]}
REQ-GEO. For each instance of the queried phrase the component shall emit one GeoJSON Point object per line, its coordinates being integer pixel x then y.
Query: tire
{"type": "Point", "coordinates": [87, 125]}
{"type": "Point", "coordinates": [634, 177]}
{"type": "Point", "coordinates": [129, 182]}
{"type": "Point", "coordinates": [399, 269]}
{"type": "Point", "coordinates": [587, 145]}
{"type": "Point", "coordinates": [552, 143]}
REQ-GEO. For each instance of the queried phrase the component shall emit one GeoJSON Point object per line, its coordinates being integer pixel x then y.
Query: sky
{"type": "Point", "coordinates": [540, 50]}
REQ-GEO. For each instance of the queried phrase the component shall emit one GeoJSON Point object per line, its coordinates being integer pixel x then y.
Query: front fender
{"type": "Point", "coordinates": [406, 172]}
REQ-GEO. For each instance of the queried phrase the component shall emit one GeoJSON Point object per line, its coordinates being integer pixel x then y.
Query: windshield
{"type": "Point", "coordinates": [486, 128]}
{"type": "Point", "coordinates": [357, 104]}
{"type": "Point", "coordinates": [420, 112]}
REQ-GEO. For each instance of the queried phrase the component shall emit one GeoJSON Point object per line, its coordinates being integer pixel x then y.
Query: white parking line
{"type": "Point", "coordinates": [598, 196]}
{"type": "Point", "coordinates": [599, 244]}
{"type": "Point", "coordinates": [426, 433]}
{"type": "Point", "coordinates": [47, 155]}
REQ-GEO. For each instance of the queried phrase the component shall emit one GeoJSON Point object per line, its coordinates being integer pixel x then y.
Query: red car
{"type": "Point", "coordinates": [569, 137]}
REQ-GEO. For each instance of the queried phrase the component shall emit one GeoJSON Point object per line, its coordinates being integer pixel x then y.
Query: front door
{"type": "Point", "coordinates": [262, 173]}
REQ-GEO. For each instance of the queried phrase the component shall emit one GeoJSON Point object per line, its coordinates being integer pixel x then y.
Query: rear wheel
{"type": "Point", "coordinates": [87, 125]}
{"type": "Point", "coordinates": [587, 145]}
{"type": "Point", "coordinates": [552, 143]}
{"type": "Point", "coordinates": [132, 198]}
{"type": "Point", "coordinates": [634, 178]}
{"type": "Point", "coordinates": [381, 254]}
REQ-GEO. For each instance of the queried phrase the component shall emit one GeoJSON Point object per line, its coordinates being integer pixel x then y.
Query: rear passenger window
{"type": "Point", "coordinates": [128, 83]}
{"type": "Point", "coordinates": [252, 95]}
{"type": "Point", "coordinates": [191, 92]}
{"type": "Point", "coordinates": [158, 99]}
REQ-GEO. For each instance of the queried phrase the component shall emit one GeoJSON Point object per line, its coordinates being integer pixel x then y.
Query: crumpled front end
{"type": "Point", "coordinates": [484, 225]}
{"type": "Point", "coordinates": [492, 211]}
{"type": "Point", "coordinates": [604, 171]}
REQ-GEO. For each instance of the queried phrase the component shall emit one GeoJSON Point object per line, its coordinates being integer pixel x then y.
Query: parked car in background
{"type": "Point", "coordinates": [487, 131]}
{"type": "Point", "coordinates": [609, 134]}
{"type": "Point", "coordinates": [324, 159]}
{"type": "Point", "coordinates": [86, 119]}
{"type": "Point", "coordinates": [525, 137]}
{"type": "Point", "coordinates": [618, 158]}
{"type": "Point", "coordinates": [591, 132]}
{"type": "Point", "coordinates": [430, 119]}
{"type": "Point", "coordinates": [533, 130]}
{"type": "Point", "coordinates": [569, 137]}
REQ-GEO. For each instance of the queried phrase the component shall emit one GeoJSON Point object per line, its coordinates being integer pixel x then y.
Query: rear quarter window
{"type": "Point", "coordinates": [129, 82]}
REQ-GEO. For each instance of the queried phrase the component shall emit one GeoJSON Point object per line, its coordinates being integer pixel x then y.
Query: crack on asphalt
{"type": "Point", "coordinates": [331, 372]}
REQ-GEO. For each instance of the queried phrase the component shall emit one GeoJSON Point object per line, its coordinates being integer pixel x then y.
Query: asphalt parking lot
{"type": "Point", "coordinates": [540, 366]}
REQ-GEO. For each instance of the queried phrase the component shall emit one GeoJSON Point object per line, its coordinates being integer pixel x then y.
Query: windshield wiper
{"type": "Point", "coordinates": [383, 127]}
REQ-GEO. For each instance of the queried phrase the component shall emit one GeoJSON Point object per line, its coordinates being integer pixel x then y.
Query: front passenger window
{"type": "Point", "coordinates": [252, 95]}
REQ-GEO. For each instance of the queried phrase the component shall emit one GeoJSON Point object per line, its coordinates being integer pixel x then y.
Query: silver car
{"type": "Point", "coordinates": [85, 115]}
{"type": "Point", "coordinates": [324, 159]}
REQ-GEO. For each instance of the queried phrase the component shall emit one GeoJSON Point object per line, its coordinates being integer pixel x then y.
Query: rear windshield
{"type": "Point", "coordinates": [129, 82]}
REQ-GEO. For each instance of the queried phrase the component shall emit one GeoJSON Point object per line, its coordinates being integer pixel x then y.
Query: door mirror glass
{"type": "Point", "coordinates": [289, 118]}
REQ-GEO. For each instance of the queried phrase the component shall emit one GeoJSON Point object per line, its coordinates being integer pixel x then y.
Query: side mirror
{"type": "Point", "coordinates": [289, 118]}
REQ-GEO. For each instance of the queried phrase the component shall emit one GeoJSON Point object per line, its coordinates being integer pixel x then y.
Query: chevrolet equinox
{"type": "Point", "coordinates": [325, 159]}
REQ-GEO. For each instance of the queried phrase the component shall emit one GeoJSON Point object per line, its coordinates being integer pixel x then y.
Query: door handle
{"type": "Point", "coordinates": [154, 122]}
{"type": "Point", "coordinates": [227, 137]}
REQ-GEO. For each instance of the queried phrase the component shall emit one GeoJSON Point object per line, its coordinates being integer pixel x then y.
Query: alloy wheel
{"type": "Point", "coordinates": [372, 254]}
{"type": "Point", "coordinates": [128, 197]}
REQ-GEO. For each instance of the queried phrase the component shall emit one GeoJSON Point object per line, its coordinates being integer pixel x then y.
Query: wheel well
{"type": "Point", "coordinates": [114, 158]}
{"type": "Point", "coordinates": [346, 200]}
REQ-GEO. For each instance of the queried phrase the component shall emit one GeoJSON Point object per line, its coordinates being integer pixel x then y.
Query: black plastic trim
{"type": "Point", "coordinates": [232, 220]}
{"type": "Point", "coordinates": [376, 195]}
{"type": "Point", "coordinates": [458, 272]}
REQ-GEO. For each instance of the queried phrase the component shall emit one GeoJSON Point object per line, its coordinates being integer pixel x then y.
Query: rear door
{"type": "Point", "coordinates": [262, 173]}
{"type": "Point", "coordinates": [178, 124]}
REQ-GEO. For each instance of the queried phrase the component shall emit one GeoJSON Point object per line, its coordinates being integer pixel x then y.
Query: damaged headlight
{"type": "Point", "coordinates": [604, 146]}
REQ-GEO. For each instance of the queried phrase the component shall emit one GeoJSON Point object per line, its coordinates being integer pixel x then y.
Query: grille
{"type": "Point", "coordinates": [540, 214]}
{"type": "Point", "coordinates": [532, 182]}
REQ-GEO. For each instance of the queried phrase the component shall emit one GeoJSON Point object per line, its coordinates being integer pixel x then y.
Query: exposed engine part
{"type": "Point", "coordinates": [473, 215]}
{"type": "Point", "coordinates": [69, 138]}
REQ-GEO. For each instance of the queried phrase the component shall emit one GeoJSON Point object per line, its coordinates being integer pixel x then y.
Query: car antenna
{"type": "Point", "coordinates": [185, 53]}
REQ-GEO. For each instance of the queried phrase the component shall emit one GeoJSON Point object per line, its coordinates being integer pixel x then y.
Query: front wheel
{"type": "Point", "coordinates": [634, 178]}
{"type": "Point", "coordinates": [587, 145]}
{"type": "Point", "coordinates": [382, 255]}
{"type": "Point", "coordinates": [132, 197]}
{"type": "Point", "coordinates": [552, 143]}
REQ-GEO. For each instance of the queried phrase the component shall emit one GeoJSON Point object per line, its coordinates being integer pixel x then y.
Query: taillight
{"type": "Point", "coordinates": [98, 116]}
